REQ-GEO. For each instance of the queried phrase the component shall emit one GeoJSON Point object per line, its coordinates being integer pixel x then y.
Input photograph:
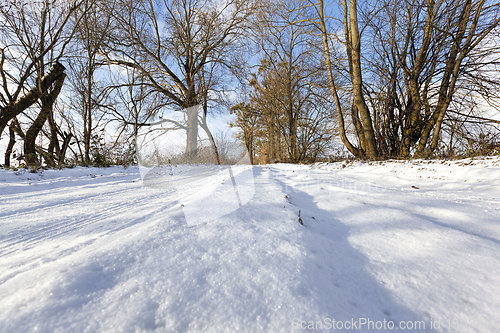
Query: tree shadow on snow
{"type": "Point", "coordinates": [335, 275]}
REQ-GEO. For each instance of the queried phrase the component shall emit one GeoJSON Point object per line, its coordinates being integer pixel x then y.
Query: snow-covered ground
{"type": "Point", "coordinates": [402, 244]}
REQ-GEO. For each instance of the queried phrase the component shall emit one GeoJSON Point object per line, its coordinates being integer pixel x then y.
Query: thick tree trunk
{"type": "Point", "coordinates": [340, 117]}
{"type": "Point", "coordinates": [10, 145]}
{"type": "Point", "coordinates": [192, 132]}
{"type": "Point", "coordinates": [62, 153]}
{"type": "Point", "coordinates": [357, 83]}
{"type": "Point", "coordinates": [12, 110]}
{"type": "Point", "coordinates": [47, 102]}
{"type": "Point", "coordinates": [413, 126]}
{"type": "Point", "coordinates": [359, 130]}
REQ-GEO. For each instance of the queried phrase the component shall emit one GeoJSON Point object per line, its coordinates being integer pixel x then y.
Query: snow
{"type": "Point", "coordinates": [88, 249]}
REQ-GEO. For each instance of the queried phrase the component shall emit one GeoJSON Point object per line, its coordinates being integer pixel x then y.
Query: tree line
{"type": "Point", "coordinates": [383, 79]}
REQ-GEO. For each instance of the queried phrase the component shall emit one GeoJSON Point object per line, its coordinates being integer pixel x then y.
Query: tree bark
{"type": "Point", "coordinates": [192, 132]}
{"type": "Point", "coordinates": [10, 145]}
{"type": "Point", "coordinates": [12, 110]}
{"type": "Point", "coordinates": [47, 101]}
{"type": "Point", "coordinates": [62, 153]}
{"type": "Point", "coordinates": [340, 117]}
{"type": "Point", "coordinates": [357, 82]}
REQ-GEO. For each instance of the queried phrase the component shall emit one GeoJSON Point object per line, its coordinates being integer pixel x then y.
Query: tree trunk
{"type": "Point", "coordinates": [204, 125]}
{"type": "Point", "coordinates": [62, 153]}
{"type": "Point", "coordinates": [293, 138]}
{"type": "Point", "coordinates": [54, 143]}
{"type": "Point", "coordinates": [10, 146]}
{"type": "Point", "coordinates": [359, 130]}
{"type": "Point", "coordinates": [47, 101]}
{"type": "Point", "coordinates": [192, 132]}
{"type": "Point", "coordinates": [340, 117]}
{"type": "Point", "coordinates": [457, 54]}
{"type": "Point", "coordinates": [357, 82]}
{"type": "Point", "coordinates": [12, 110]}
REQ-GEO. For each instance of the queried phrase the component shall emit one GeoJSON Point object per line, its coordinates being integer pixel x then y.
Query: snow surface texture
{"type": "Point", "coordinates": [89, 250]}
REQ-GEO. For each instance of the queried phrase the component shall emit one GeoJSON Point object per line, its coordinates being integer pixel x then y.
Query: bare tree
{"type": "Point", "coordinates": [35, 37]}
{"type": "Point", "coordinates": [89, 71]}
{"type": "Point", "coordinates": [416, 55]}
{"type": "Point", "coordinates": [288, 90]}
{"type": "Point", "coordinates": [247, 119]}
{"type": "Point", "coordinates": [171, 42]}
